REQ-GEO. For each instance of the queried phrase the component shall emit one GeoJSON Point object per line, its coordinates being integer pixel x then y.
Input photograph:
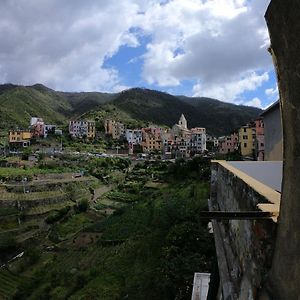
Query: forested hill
{"type": "Point", "coordinates": [19, 103]}
{"type": "Point", "coordinates": [218, 117]}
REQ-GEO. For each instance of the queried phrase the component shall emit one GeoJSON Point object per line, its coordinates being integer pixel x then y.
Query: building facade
{"type": "Point", "coordinates": [247, 140]}
{"type": "Point", "coordinates": [273, 132]}
{"type": "Point", "coordinates": [20, 138]}
{"type": "Point", "coordinates": [151, 139]}
{"type": "Point", "coordinates": [134, 138]}
{"type": "Point", "coordinates": [115, 129]}
{"type": "Point", "coordinates": [198, 140]}
{"type": "Point", "coordinates": [259, 139]}
{"type": "Point", "coordinates": [82, 129]}
{"type": "Point", "coordinates": [229, 144]}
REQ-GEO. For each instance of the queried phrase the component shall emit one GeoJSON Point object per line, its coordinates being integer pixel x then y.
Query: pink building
{"type": "Point", "coordinates": [37, 127]}
{"type": "Point", "coordinates": [228, 144]}
{"type": "Point", "coordinates": [260, 139]}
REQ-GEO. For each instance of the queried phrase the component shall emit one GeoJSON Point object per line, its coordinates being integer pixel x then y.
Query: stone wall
{"type": "Point", "coordinates": [244, 247]}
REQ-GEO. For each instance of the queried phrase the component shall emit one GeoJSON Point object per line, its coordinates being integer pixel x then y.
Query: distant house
{"type": "Point", "coordinates": [151, 139]}
{"type": "Point", "coordinates": [273, 132]}
{"type": "Point", "coordinates": [228, 144]}
{"type": "Point", "coordinates": [19, 138]}
{"type": "Point", "coordinates": [134, 138]}
{"type": "Point", "coordinates": [115, 129]}
{"type": "Point", "coordinates": [198, 140]}
{"type": "Point", "coordinates": [247, 140]}
{"type": "Point", "coordinates": [37, 126]}
{"type": "Point", "coordinates": [82, 129]}
{"type": "Point", "coordinates": [259, 139]}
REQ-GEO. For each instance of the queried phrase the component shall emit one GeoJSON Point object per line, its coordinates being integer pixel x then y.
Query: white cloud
{"type": "Point", "coordinates": [221, 44]}
{"type": "Point", "coordinates": [64, 44]}
{"type": "Point", "coordinates": [230, 91]}
{"type": "Point", "coordinates": [217, 42]}
{"type": "Point", "coordinates": [272, 93]}
{"type": "Point", "coordinates": [254, 102]}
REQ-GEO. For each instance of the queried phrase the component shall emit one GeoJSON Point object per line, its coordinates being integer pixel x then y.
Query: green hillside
{"type": "Point", "coordinates": [19, 104]}
{"type": "Point", "coordinates": [160, 108]}
{"type": "Point", "coordinates": [135, 107]}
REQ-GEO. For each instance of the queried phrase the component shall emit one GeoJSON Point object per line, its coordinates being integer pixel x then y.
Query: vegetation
{"type": "Point", "coordinates": [134, 107]}
{"type": "Point", "coordinates": [147, 247]}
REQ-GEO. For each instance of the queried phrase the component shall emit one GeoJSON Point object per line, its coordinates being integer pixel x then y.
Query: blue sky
{"type": "Point", "coordinates": [212, 48]}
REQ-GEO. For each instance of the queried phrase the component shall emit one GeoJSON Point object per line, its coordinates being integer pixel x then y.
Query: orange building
{"type": "Point", "coordinates": [20, 138]}
{"type": "Point", "coordinates": [151, 140]}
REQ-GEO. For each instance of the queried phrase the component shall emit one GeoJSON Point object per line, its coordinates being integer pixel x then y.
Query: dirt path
{"type": "Point", "coordinates": [100, 191]}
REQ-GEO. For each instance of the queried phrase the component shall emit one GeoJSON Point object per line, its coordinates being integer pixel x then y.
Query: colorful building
{"type": "Point", "coordinates": [228, 144]}
{"type": "Point", "coordinates": [198, 140]}
{"type": "Point", "coordinates": [134, 138]}
{"type": "Point", "coordinates": [260, 139]}
{"type": "Point", "coordinates": [151, 141]}
{"type": "Point", "coordinates": [114, 128]}
{"type": "Point", "coordinates": [20, 138]}
{"type": "Point", "coordinates": [247, 140]}
{"type": "Point", "coordinates": [37, 126]}
{"type": "Point", "coordinates": [82, 129]}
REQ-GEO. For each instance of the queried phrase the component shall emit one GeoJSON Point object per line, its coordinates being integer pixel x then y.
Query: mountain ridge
{"type": "Point", "coordinates": [136, 105]}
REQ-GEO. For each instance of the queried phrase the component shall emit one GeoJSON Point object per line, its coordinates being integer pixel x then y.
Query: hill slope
{"type": "Point", "coordinates": [135, 107]}
{"type": "Point", "coordinates": [19, 103]}
{"type": "Point", "coordinates": [160, 108]}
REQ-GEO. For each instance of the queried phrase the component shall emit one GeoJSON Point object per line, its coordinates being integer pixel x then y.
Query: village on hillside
{"type": "Point", "coordinates": [179, 141]}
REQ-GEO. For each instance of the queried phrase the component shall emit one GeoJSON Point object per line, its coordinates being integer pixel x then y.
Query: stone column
{"type": "Point", "coordinates": [283, 20]}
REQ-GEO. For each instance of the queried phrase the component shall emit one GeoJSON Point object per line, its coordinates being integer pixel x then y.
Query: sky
{"type": "Point", "coordinates": [203, 48]}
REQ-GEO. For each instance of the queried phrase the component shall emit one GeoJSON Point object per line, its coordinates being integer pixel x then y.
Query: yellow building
{"type": "Point", "coordinates": [114, 128]}
{"type": "Point", "coordinates": [247, 140]}
{"type": "Point", "coordinates": [21, 137]}
{"type": "Point", "coordinates": [151, 140]}
{"type": "Point", "coordinates": [91, 129]}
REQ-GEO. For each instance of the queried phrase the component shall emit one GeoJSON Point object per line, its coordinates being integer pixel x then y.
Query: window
{"type": "Point", "coordinates": [245, 145]}
{"type": "Point", "coordinates": [245, 129]}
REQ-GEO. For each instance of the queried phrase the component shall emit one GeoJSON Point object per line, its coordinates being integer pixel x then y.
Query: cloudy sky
{"type": "Point", "coordinates": [213, 48]}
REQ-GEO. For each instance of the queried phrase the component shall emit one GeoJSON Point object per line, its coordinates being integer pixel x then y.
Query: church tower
{"type": "Point", "coordinates": [182, 122]}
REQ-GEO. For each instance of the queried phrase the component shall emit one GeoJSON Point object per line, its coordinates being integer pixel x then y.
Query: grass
{"type": "Point", "coordinates": [73, 225]}
{"type": "Point", "coordinates": [8, 212]}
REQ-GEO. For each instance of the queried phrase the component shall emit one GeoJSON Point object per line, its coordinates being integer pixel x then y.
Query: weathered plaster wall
{"type": "Point", "coordinates": [244, 247]}
{"type": "Point", "coordinates": [273, 135]}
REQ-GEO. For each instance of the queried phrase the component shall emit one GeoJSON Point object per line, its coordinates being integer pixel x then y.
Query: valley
{"type": "Point", "coordinates": [103, 228]}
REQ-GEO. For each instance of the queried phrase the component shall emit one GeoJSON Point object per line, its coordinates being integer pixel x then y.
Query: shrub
{"type": "Point", "coordinates": [83, 205]}
{"type": "Point", "coordinates": [57, 215]}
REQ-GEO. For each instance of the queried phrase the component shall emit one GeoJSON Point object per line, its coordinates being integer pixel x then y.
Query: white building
{"type": "Point", "coordinates": [82, 128]}
{"type": "Point", "coordinates": [134, 136]}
